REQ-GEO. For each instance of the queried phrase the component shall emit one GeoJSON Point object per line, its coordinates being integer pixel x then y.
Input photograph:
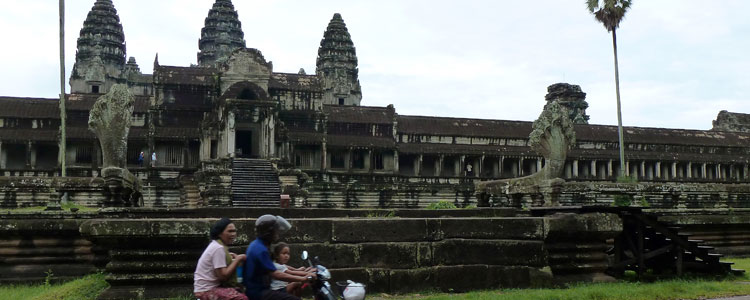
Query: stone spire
{"type": "Point", "coordinates": [102, 28]}
{"type": "Point", "coordinates": [100, 55]}
{"type": "Point", "coordinates": [221, 34]}
{"type": "Point", "coordinates": [337, 65]}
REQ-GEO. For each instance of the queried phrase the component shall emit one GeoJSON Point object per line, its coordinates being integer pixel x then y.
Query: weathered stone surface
{"type": "Point", "coordinates": [110, 120]}
{"type": "Point", "coordinates": [495, 252]}
{"type": "Point", "coordinates": [379, 230]}
{"type": "Point", "coordinates": [495, 228]}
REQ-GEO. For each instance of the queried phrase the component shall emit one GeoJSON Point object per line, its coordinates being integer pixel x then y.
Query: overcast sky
{"type": "Point", "coordinates": [681, 62]}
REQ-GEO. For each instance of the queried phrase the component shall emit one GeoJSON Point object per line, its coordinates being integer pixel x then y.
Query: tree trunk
{"type": "Point", "coordinates": [63, 141]}
{"type": "Point", "coordinates": [619, 112]}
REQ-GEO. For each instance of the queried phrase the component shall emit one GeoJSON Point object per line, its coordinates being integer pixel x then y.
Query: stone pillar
{"type": "Point", "coordinates": [28, 155]}
{"type": "Point", "coordinates": [418, 165]}
{"type": "Point", "coordinates": [348, 161]}
{"type": "Point", "coordinates": [745, 171]}
{"type": "Point", "coordinates": [461, 170]}
{"type": "Point", "coordinates": [703, 170]}
{"type": "Point", "coordinates": [719, 172]}
{"type": "Point", "coordinates": [439, 167]}
{"type": "Point", "coordinates": [610, 171]}
{"type": "Point", "coordinates": [480, 167]}
{"type": "Point", "coordinates": [368, 160]}
{"type": "Point", "coordinates": [627, 168]}
{"type": "Point", "coordinates": [500, 166]}
{"type": "Point", "coordinates": [539, 164]}
{"type": "Point", "coordinates": [395, 162]}
{"type": "Point", "coordinates": [185, 153]}
{"type": "Point", "coordinates": [575, 168]}
{"type": "Point", "coordinates": [674, 170]}
{"type": "Point", "coordinates": [323, 156]}
{"type": "Point", "coordinates": [519, 167]}
{"type": "Point", "coordinates": [593, 169]}
{"type": "Point", "coordinates": [643, 169]}
{"type": "Point", "coordinates": [2, 157]}
{"type": "Point", "coordinates": [657, 169]}
{"type": "Point", "coordinates": [689, 170]}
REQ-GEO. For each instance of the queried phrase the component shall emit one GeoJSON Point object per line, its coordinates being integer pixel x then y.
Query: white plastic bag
{"type": "Point", "coordinates": [354, 291]}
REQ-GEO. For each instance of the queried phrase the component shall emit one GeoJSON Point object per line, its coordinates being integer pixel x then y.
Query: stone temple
{"type": "Point", "coordinates": [229, 131]}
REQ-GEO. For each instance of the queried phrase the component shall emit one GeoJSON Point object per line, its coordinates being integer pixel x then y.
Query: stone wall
{"type": "Point", "coordinates": [156, 257]}
{"type": "Point", "coordinates": [34, 249]}
{"type": "Point", "coordinates": [18, 192]}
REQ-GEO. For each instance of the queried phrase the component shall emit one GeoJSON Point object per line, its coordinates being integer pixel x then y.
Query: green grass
{"type": "Point", "coordinates": [81, 289]}
{"type": "Point", "coordinates": [89, 287]}
{"type": "Point", "coordinates": [684, 288]}
{"type": "Point", "coordinates": [65, 206]}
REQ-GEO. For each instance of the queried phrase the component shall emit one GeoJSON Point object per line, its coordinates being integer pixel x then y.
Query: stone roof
{"type": "Point", "coordinates": [221, 34]}
{"type": "Point", "coordinates": [295, 82]}
{"type": "Point", "coordinates": [102, 28]}
{"type": "Point", "coordinates": [435, 148]}
{"type": "Point", "coordinates": [731, 121]}
{"type": "Point", "coordinates": [184, 75]}
{"type": "Point", "coordinates": [359, 141]}
{"type": "Point", "coordinates": [177, 133]}
{"type": "Point", "coordinates": [359, 114]}
{"type": "Point", "coordinates": [667, 136]}
{"type": "Point", "coordinates": [86, 101]}
{"type": "Point", "coordinates": [463, 127]}
{"type": "Point", "coordinates": [15, 134]}
{"type": "Point", "coordinates": [31, 108]}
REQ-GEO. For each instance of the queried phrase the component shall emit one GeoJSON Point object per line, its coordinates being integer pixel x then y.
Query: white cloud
{"type": "Point", "coordinates": [680, 62]}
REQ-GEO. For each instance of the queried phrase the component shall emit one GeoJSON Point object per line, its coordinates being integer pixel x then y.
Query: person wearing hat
{"type": "Point", "coordinates": [215, 276]}
{"type": "Point", "coordinates": [259, 268]}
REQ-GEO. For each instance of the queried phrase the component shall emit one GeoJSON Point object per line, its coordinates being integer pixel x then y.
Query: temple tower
{"type": "Point", "coordinates": [100, 57]}
{"type": "Point", "coordinates": [221, 34]}
{"type": "Point", "coordinates": [337, 65]}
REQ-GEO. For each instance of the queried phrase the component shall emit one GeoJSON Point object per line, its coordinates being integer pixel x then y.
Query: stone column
{"type": "Point", "coordinates": [395, 162]}
{"type": "Point", "coordinates": [610, 170]}
{"type": "Point", "coordinates": [643, 169]}
{"type": "Point", "coordinates": [627, 168]}
{"type": "Point", "coordinates": [323, 156]}
{"type": "Point", "coordinates": [368, 160]}
{"type": "Point", "coordinates": [539, 164]}
{"type": "Point", "coordinates": [519, 167]}
{"type": "Point", "coordinates": [418, 165]}
{"type": "Point", "coordinates": [349, 159]}
{"type": "Point", "coordinates": [657, 169]}
{"type": "Point", "coordinates": [674, 170]}
{"type": "Point", "coordinates": [575, 168]}
{"type": "Point", "coordinates": [461, 166]}
{"type": "Point", "coordinates": [745, 171]}
{"type": "Point", "coordinates": [28, 155]}
{"type": "Point", "coordinates": [703, 171]}
{"type": "Point", "coordinates": [2, 156]}
{"type": "Point", "coordinates": [593, 169]}
{"type": "Point", "coordinates": [439, 167]}
{"type": "Point", "coordinates": [719, 173]}
{"type": "Point", "coordinates": [500, 166]}
{"type": "Point", "coordinates": [689, 170]}
{"type": "Point", "coordinates": [480, 167]}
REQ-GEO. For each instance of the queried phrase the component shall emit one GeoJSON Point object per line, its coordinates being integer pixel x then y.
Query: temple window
{"type": "Point", "coordinates": [95, 89]}
{"type": "Point", "coordinates": [338, 160]}
{"type": "Point", "coordinates": [378, 159]}
{"type": "Point", "coordinates": [84, 154]}
{"type": "Point", "coordinates": [341, 101]}
{"type": "Point", "coordinates": [247, 94]}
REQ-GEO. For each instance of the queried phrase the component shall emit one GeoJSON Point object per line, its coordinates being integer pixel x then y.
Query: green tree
{"type": "Point", "coordinates": [610, 13]}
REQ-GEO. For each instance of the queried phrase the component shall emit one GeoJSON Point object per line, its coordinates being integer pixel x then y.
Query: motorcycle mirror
{"type": "Point", "coordinates": [304, 255]}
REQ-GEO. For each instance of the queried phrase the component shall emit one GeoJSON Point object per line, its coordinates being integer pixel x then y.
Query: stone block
{"type": "Point", "coordinates": [413, 280]}
{"type": "Point", "coordinates": [379, 230]}
{"type": "Point", "coordinates": [493, 252]}
{"type": "Point", "coordinates": [492, 228]}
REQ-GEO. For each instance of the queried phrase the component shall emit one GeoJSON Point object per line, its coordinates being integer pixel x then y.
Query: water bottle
{"type": "Point", "coordinates": [240, 269]}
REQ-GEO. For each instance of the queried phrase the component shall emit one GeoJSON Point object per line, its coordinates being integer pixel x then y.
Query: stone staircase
{"type": "Point", "coordinates": [255, 183]}
{"type": "Point", "coordinates": [191, 197]}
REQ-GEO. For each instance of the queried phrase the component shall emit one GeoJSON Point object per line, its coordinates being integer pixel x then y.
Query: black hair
{"type": "Point", "coordinates": [219, 227]}
{"type": "Point", "coordinates": [277, 250]}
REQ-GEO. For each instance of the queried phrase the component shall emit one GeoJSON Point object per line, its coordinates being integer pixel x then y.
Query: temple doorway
{"type": "Point", "coordinates": [244, 141]}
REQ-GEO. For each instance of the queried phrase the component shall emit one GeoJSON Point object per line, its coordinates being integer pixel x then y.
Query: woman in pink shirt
{"type": "Point", "coordinates": [215, 275]}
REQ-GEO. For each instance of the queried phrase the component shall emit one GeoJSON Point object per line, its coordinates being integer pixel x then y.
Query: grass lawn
{"type": "Point", "coordinates": [89, 287]}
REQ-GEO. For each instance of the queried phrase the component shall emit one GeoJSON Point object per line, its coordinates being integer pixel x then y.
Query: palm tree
{"type": "Point", "coordinates": [610, 13]}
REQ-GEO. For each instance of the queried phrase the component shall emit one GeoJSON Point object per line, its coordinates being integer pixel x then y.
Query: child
{"type": "Point", "coordinates": [280, 259]}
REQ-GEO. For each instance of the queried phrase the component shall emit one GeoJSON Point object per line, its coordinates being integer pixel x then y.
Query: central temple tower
{"type": "Point", "coordinates": [221, 34]}
{"type": "Point", "coordinates": [337, 65]}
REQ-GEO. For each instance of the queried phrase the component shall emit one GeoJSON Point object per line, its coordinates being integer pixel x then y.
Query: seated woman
{"type": "Point", "coordinates": [215, 275]}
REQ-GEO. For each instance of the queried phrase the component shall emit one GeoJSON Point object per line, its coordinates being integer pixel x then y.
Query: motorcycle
{"type": "Point", "coordinates": [347, 290]}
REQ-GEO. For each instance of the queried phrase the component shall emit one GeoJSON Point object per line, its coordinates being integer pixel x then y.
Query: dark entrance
{"type": "Point", "coordinates": [244, 142]}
